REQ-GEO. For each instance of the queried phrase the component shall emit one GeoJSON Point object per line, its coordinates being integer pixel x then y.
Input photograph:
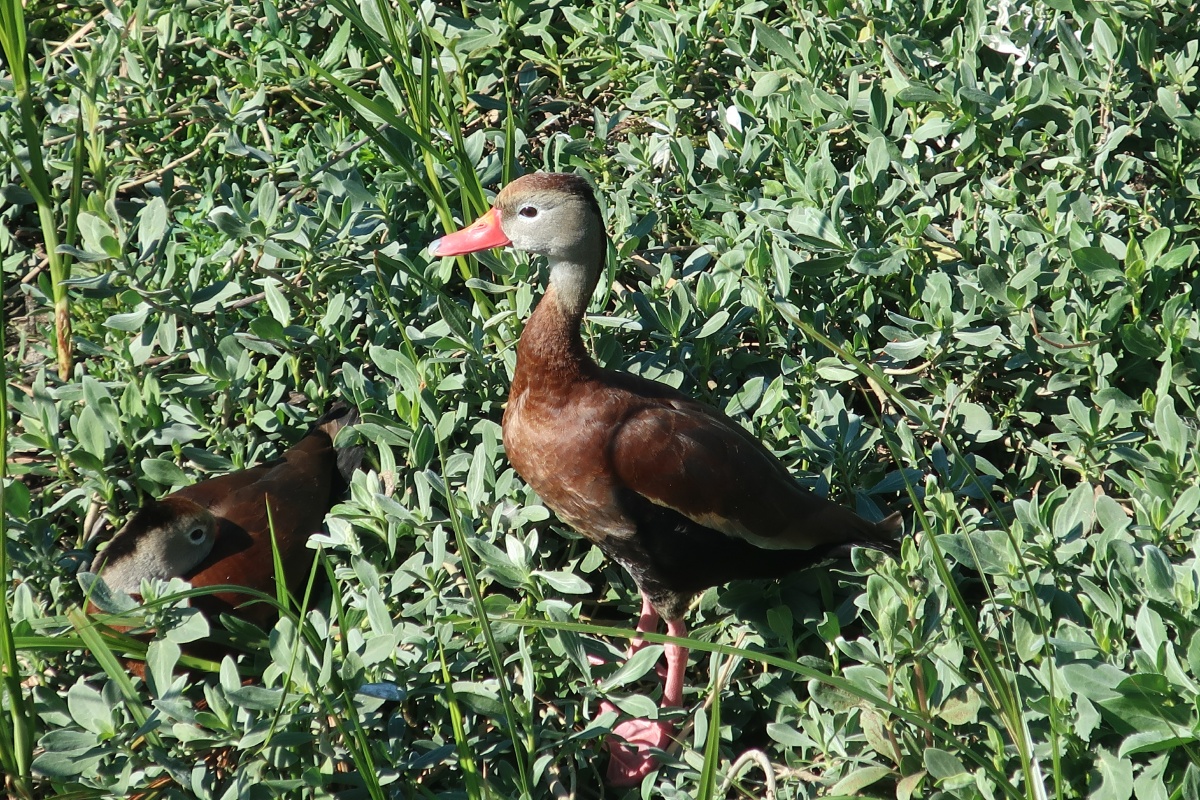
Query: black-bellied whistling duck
{"type": "Point", "coordinates": [676, 492]}
{"type": "Point", "coordinates": [217, 532]}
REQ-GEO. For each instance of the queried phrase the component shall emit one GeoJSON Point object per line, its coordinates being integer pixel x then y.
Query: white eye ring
{"type": "Point", "coordinates": [196, 535]}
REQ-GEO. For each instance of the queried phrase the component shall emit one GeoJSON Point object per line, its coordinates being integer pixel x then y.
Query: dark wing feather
{"type": "Point", "coordinates": [682, 455]}
{"type": "Point", "coordinates": [300, 484]}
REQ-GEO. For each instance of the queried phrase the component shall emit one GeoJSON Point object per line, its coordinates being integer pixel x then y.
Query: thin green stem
{"type": "Point", "coordinates": [521, 747]}
{"type": "Point", "coordinates": [34, 175]}
{"type": "Point", "coordinates": [466, 758]}
{"type": "Point", "coordinates": [16, 737]}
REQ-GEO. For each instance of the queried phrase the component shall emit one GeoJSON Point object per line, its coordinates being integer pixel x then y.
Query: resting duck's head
{"type": "Point", "coordinates": [166, 539]}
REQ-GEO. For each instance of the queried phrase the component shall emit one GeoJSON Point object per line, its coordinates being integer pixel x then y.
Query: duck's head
{"type": "Point", "coordinates": [166, 539]}
{"type": "Point", "coordinates": [553, 214]}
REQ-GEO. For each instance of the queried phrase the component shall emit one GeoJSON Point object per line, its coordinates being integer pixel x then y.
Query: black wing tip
{"type": "Point", "coordinates": [339, 415]}
{"type": "Point", "coordinates": [889, 533]}
{"type": "Point", "coordinates": [884, 536]}
{"type": "Point", "coordinates": [342, 415]}
{"type": "Point", "coordinates": [892, 525]}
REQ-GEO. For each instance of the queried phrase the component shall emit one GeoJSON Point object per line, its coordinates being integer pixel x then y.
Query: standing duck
{"type": "Point", "coordinates": [676, 492]}
{"type": "Point", "coordinates": [217, 532]}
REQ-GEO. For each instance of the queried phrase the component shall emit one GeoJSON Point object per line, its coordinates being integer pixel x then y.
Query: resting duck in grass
{"type": "Point", "coordinates": [675, 491]}
{"type": "Point", "coordinates": [217, 532]}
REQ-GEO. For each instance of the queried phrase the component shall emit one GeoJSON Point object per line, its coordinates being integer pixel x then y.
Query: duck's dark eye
{"type": "Point", "coordinates": [196, 535]}
{"type": "Point", "coordinates": [529, 212]}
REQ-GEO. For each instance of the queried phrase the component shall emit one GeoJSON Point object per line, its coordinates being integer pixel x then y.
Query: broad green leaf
{"type": "Point", "coordinates": [564, 582]}
{"type": "Point", "coordinates": [878, 160]}
{"type": "Point", "coordinates": [1097, 264]}
{"type": "Point", "coordinates": [455, 317]}
{"type": "Point", "coordinates": [942, 764]}
{"type": "Point", "coordinates": [859, 779]}
{"type": "Point", "coordinates": [634, 668]}
{"type": "Point", "coordinates": [787, 735]}
{"type": "Point", "coordinates": [280, 309]}
{"type": "Point", "coordinates": [1093, 680]}
{"type": "Point", "coordinates": [1106, 45]}
{"type": "Point", "coordinates": [877, 261]}
{"type": "Point", "coordinates": [775, 43]}
{"type": "Point", "coordinates": [915, 93]}
{"type": "Point", "coordinates": [164, 472]}
{"type": "Point", "coordinates": [1158, 575]}
{"type": "Point", "coordinates": [1169, 426]}
{"type": "Point", "coordinates": [89, 710]}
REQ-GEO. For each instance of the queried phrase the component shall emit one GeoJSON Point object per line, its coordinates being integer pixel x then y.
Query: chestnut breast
{"type": "Point", "coordinates": [557, 437]}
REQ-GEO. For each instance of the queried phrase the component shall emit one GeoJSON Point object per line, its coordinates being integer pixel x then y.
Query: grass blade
{"type": "Point", "coordinates": [466, 759]}
{"type": "Point", "coordinates": [17, 728]}
{"type": "Point", "coordinates": [712, 744]}
{"type": "Point", "coordinates": [37, 180]}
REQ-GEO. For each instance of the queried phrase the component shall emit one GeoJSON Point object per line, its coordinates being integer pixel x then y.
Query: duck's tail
{"type": "Point", "coordinates": [885, 534]}
{"type": "Point", "coordinates": [349, 457]}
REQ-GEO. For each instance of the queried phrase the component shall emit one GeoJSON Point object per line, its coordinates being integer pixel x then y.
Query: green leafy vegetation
{"type": "Point", "coordinates": [941, 259]}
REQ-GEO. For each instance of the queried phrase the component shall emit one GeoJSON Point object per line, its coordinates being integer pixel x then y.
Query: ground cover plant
{"type": "Point", "coordinates": [940, 258]}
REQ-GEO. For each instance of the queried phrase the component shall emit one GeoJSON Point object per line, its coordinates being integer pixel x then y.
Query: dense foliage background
{"type": "Point", "coordinates": [940, 257]}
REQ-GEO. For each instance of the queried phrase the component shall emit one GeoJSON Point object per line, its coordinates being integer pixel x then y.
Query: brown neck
{"type": "Point", "coordinates": [551, 350]}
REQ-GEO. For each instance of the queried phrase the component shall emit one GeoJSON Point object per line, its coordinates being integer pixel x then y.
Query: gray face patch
{"type": "Point", "coordinates": [169, 548]}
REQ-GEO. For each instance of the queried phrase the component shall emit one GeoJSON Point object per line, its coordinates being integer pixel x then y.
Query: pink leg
{"type": "Point", "coordinates": [630, 761]}
{"type": "Point", "coordinates": [648, 621]}
{"type": "Point", "coordinates": [677, 658]}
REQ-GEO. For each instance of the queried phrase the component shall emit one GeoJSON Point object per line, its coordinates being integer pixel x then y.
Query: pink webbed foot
{"type": "Point", "coordinates": [630, 748]}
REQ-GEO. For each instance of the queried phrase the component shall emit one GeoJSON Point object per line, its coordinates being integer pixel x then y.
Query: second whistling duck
{"type": "Point", "coordinates": [217, 532]}
{"type": "Point", "coordinates": [676, 492]}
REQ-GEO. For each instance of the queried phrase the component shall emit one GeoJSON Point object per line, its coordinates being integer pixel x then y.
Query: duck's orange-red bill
{"type": "Point", "coordinates": [484, 234]}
